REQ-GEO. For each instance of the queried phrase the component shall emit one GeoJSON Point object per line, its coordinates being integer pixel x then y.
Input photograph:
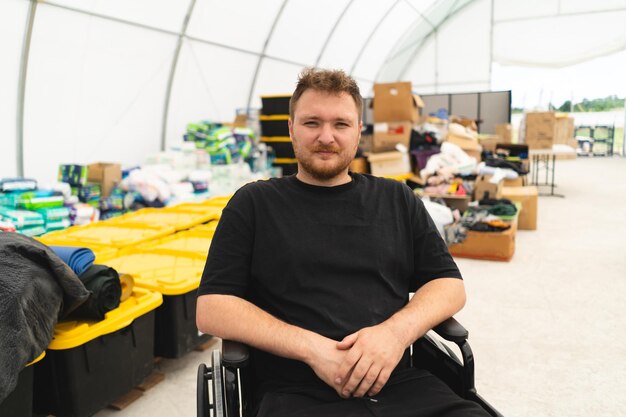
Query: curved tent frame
{"type": "Point", "coordinates": [418, 31]}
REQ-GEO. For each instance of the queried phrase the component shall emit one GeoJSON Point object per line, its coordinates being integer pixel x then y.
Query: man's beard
{"type": "Point", "coordinates": [325, 172]}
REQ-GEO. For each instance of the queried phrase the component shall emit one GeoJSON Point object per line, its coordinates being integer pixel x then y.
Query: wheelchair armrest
{"type": "Point", "coordinates": [452, 331]}
{"type": "Point", "coordinates": [234, 354]}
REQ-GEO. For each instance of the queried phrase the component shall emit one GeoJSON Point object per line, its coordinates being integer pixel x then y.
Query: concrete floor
{"type": "Point", "coordinates": [548, 329]}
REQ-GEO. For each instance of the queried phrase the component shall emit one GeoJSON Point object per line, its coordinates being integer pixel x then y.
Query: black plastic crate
{"type": "Point", "coordinates": [20, 401]}
{"type": "Point", "coordinates": [281, 149]}
{"type": "Point", "coordinates": [273, 105]}
{"type": "Point", "coordinates": [80, 381]}
{"type": "Point", "coordinates": [274, 127]}
{"type": "Point", "coordinates": [289, 168]}
{"type": "Point", "coordinates": [175, 331]}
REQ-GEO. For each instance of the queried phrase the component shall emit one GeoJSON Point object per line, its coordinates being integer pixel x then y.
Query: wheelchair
{"type": "Point", "coordinates": [223, 388]}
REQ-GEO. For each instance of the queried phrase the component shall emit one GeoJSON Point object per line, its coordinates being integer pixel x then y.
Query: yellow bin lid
{"type": "Point", "coordinates": [107, 233]}
{"type": "Point", "coordinates": [177, 218]}
{"type": "Point", "coordinates": [169, 272]}
{"type": "Point", "coordinates": [192, 241]}
{"type": "Point", "coordinates": [102, 252]}
{"type": "Point", "coordinates": [281, 117]}
{"type": "Point", "coordinates": [72, 333]}
{"type": "Point", "coordinates": [207, 229]}
{"type": "Point", "coordinates": [37, 359]}
{"type": "Point", "coordinates": [214, 211]}
{"type": "Point", "coordinates": [219, 201]}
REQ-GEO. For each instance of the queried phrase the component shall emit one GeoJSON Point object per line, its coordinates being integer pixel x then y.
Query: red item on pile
{"type": "Point", "coordinates": [7, 227]}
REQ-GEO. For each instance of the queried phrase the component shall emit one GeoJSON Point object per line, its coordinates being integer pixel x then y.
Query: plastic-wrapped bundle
{"type": "Point", "coordinates": [17, 184]}
{"type": "Point", "coordinates": [21, 218]}
{"type": "Point", "coordinates": [34, 200]}
{"type": "Point", "coordinates": [83, 214]}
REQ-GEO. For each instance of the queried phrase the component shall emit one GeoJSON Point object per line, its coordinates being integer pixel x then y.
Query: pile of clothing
{"type": "Point", "coordinates": [487, 216]}
{"type": "Point", "coordinates": [40, 285]}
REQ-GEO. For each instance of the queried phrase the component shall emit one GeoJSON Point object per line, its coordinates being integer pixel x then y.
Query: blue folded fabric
{"type": "Point", "coordinates": [78, 259]}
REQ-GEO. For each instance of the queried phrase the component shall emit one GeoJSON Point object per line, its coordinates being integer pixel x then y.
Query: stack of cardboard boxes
{"type": "Point", "coordinates": [545, 129]}
{"type": "Point", "coordinates": [395, 110]}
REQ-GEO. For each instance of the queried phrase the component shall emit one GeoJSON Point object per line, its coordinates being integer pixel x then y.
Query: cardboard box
{"type": "Point", "coordinates": [494, 246]}
{"type": "Point", "coordinates": [389, 163]}
{"type": "Point", "coordinates": [489, 142]}
{"type": "Point", "coordinates": [517, 182]}
{"type": "Point", "coordinates": [241, 120]}
{"type": "Point", "coordinates": [505, 131]}
{"type": "Point", "coordinates": [359, 165]}
{"type": "Point", "coordinates": [459, 202]}
{"type": "Point", "coordinates": [388, 134]}
{"type": "Point", "coordinates": [539, 130]}
{"type": "Point", "coordinates": [106, 174]}
{"type": "Point", "coordinates": [482, 186]}
{"type": "Point", "coordinates": [395, 102]}
{"type": "Point", "coordinates": [544, 129]}
{"type": "Point", "coordinates": [564, 130]}
{"type": "Point", "coordinates": [528, 197]}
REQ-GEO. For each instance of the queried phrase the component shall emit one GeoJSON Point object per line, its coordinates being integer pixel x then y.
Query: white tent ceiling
{"type": "Point", "coordinates": [88, 80]}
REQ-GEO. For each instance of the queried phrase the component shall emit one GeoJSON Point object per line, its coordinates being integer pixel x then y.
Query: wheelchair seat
{"type": "Point", "coordinates": [224, 389]}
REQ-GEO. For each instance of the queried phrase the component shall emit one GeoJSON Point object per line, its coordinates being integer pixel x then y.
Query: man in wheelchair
{"type": "Point", "coordinates": [313, 272]}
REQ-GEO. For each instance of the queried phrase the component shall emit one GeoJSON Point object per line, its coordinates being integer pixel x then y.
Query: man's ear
{"type": "Point", "coordinates": [290, 124]}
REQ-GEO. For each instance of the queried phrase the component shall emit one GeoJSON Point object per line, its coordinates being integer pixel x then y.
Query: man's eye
{"type": "Point", "coordinates": [310, 124]}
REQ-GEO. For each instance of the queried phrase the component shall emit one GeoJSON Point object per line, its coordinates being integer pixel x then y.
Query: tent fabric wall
{"type": "Point", "coordinates": [352, 31]}
{"type": "Point", "coordinates": [199, 90]}
{"type": "Point", "coordinates": [162, 14]}
{"type": "Point", "coordinates": [75, 65]}
{"type": "Point", "coordinates": [106, 75]}
{"type": "Point", "coordinates": [12, 25]}
{"type": "Point", "coordinates": [568, 43]}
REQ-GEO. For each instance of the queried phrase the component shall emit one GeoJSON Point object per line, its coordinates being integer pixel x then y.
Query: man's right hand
{"type": "Point", "coordinates": [325, 359]}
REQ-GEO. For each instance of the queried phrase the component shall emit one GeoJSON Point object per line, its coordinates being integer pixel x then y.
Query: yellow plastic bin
{"type": "Point", "coordinates": [207, 229]}
{"type": "Point", "coordinates": [218, 201]}
{"type": "Point", "coordinates": [214, 210]}
{"type": "Point", "coordinates": [176, 275]}
{"type": "Point", "coordinates": [192, 241]}
{"type": "Point", "coordinates": [20, 401]}
{"type": "Point", "coordinates": [107, 233]}
{"type": "Point", "coordinates": [90, 364]}
{"type": "Point", "coordinates": [175, 218]}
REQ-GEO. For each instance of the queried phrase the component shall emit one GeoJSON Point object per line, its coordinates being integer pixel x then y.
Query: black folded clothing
{"type": "Point", "coordinates": [502, 163]}
{"type": "Point", "coordinates": [494, 201]}
{"type": "Point", "coordinates": [104, 284]}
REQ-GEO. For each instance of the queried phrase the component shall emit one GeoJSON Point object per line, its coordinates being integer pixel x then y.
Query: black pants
{"type": "Point", "coordinates": [409, 393]}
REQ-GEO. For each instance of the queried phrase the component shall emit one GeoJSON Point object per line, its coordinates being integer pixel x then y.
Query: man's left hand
{"type": "Point", "coordinates": [374, 352]}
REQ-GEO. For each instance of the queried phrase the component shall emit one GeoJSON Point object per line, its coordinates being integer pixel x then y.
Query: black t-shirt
{"type": "Point", "coordinates": [328, 259]}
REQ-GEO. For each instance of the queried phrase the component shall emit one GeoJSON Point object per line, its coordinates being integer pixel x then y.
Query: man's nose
{"type": "Point", "coordinates": [326, 134]}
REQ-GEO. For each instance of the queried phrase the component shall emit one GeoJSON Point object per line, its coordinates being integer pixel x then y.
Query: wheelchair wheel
{"type": "Point", "coordinates": [215, 402]}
